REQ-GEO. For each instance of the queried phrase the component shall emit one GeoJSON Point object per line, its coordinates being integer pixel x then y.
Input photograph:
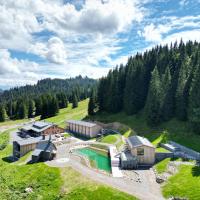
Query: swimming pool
{"type": "Point", "coordinates": [101, 160]}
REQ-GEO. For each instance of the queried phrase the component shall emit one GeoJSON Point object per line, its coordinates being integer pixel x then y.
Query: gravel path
{"type": "Point", "coordinates": [147, 189]}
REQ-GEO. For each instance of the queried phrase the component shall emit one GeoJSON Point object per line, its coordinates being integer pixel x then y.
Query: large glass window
{"type": "Point", "coordinates": [140, 151]}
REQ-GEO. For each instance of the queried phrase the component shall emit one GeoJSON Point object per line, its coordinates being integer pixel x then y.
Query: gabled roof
{"type": "Point", "coordinates": [137, 141]}
{"type": "Point", "coordinates": [82, 123]}
{"type": "Point", "coordinates": [38, 126]}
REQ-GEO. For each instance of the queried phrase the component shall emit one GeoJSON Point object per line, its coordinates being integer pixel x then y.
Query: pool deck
{"type": "Point", "coordinates": [115, 162]}
{"type": "Point", "coordinates": [145, 190]}
{"type": "Point", "coordinates": [116, 172]}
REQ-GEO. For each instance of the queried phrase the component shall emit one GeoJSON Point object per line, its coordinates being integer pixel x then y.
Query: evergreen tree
{"type": "Point", "coordinates": [22, 111]}
{"type": "Point", "coordinates": [2, 113]}
{"type": "Point", "coordinates": [92, 104]}
{"type": "Point", "coordinates": [74, 101]}
{"type": "Point", "coordinates": [31, 108]}
{"type": "Point", "coordinates": [194, 102]}
{"type": "Point", "coordinates": [167, 106]}
{"type": "Point", "coordinates": [153, 104]}
{"type": "Point", "coordinates": [53, 106]}
{"type": "Point", "coordinates": [182, 92]}
{"type": "Point", "coordinates": [38, 106]}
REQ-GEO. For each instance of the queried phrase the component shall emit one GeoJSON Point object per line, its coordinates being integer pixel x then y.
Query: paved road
{"type": "Point", "coordinates": [148, 189]}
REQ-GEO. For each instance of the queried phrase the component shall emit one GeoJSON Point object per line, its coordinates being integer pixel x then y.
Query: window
{"type": "Point", "coordinates": [140, 151]}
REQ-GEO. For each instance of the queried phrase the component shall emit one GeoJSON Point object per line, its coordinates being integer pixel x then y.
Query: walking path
{"type": "Point", "coordinates": [147, 189]}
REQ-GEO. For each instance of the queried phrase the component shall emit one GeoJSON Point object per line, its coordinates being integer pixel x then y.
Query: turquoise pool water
{"type": "Point", "coordinates": [101, 161]}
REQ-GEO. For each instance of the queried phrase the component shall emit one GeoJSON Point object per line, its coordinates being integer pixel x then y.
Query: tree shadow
{"type": "Point", "coordinates": [196, 171]}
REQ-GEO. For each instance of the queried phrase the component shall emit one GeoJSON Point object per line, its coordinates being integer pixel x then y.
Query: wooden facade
{"type": "Point", "coordinates": [85, 129]}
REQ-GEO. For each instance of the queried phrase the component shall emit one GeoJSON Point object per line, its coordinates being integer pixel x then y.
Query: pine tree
{"type": "Point", "coordinates": [22, 112]}
{"type": "Point", "coordinates": [194, 102]}
{"type": "Point", "coordinates": [38, 106]}
{"type": "Point", "coordinates": [2, 113]}
{"type": "Point", "coordinates": [74, 101]}
{"type": "Point", "coordinates": [92, 104]}
{"type": "Point", "coordinates": [182, 92]}
{"type": "Point", "coordinates": [153, 104]}
{"type": "Point", "coordinates": [167, 106]}
{"type": "Point", "coordinates": [53, 106]}
{"type": "Point", "coordinates": [31, 108]}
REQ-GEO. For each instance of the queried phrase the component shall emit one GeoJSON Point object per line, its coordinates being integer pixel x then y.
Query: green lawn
{"type": "Point", "coordinates": [173, 130]}
{"type": "Point", "coordinates": [110, 139]}
{"type": "Point", "coordinates": [47, 183]}
{"type": "Point", "coordinates": [162, 165]}
{"type": "Point", "coordinates": [185, 183]}
{"type": "Point", "coordinates": [13, 122]}
{"type": "Point", "coordinates": [69, 113]}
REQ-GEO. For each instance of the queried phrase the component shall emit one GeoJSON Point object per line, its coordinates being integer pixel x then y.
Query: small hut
{"type": "Point", "coordinates": [141, 148]}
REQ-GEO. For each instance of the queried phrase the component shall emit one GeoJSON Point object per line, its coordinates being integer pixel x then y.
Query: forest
{"type": "Point", "coordinates": [45, 98]}
{"type": "Point", "coordinates": [163, 82]}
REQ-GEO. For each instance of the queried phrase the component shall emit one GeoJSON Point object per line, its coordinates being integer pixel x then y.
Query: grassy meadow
{"type": "Point", "coordinates": [173, 130]}
{"type": "Point", "coordinates": [70, 113]}
{"type": "Point", "coordinates": [49, 183]}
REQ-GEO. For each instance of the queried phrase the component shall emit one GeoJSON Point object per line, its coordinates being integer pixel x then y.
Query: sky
{"type": "Point", "coordinates": [66, 38]}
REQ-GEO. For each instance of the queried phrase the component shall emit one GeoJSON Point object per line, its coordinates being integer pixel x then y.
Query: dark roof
{"type": "Point", "coordinates": [82, 123]}
{"type": "Point", "coordinates": [29, 141]}
{"type": "Point", "coordinates": [41, 125]}
{"type": "Point", "coordinates": [136, 141]}
{"type": "Point", "coordinates": [46, 145]}
{"type": "Point", "coordinates": [38, 126]}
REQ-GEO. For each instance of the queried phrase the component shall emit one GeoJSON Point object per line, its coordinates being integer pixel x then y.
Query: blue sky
{"type": "Point", "coordinates": [65, 38]}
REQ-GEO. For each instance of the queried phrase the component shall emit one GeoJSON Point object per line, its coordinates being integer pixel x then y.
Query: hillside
{"type": "Point", "coordinates": [163, 82]}
{"type": "Point", "coordinates": [49, 86]}
{"type": "Point", "coordinates": [50, 183]}
{"type": "Point", "coordinates": [172, 130]}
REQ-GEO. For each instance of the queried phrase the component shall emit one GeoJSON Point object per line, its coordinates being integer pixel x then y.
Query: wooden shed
{"type": "Point", "coordinates": [143, 149]}
{"type": "Point", "coordinates": [82, 128]}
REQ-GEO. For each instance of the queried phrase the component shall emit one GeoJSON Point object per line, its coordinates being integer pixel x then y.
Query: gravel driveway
{"type": "Point", "coordinates": [147, 189]}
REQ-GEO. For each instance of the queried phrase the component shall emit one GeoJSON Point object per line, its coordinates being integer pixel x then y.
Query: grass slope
{"type": "Point", "coordinates": [49, 183]}
{"type": "Point", "coordinates": [162, 166]}
{"type": "Point", "coordinates": [69, 113]}
{"type": "Point", "coordinates": [173, 130]}
{"type": "Point", "coordinates": [185, 183]}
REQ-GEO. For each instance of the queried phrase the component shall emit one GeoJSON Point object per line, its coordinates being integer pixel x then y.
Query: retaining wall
{"type": "Point", "coordinates": [190, 153]}
{"type": "Point", "coordinates": [161, 156]}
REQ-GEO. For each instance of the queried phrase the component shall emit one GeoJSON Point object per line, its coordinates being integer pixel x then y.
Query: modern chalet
{"type": "Point", "coordinates": [82, 128]}
{"type": "Point", "coordinates": [141, 148]}
{"type": "Point", "coordinates": [43, 148]}
{"type": "Point", "coordinates": [40, 128]}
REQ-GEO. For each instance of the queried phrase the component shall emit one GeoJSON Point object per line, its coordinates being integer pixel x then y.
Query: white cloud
{"type": "Point", "coordinates": [152, 33]}
{"type": "Point", "coordinates": [156, 32]}
{"type": "Point", "coordinates": [95, 17]}
{"type": "Point", "coordinates": [193, 35]}
{"type": "Point", "coordinates": [56, 51]}
{"type": "Point", "coordinates": [14, 71]}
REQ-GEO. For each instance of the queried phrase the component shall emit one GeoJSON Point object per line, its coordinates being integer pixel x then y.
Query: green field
{"type": "Point", "coordinates": [49, 183]}
{"type": "Point", "coordinates": [173, 130]}
{"type": "Point", "coordinates": [110, 139]}
{"type": "Point", "coordinates": [69, 113]}
{"type": "Point", "coordinates": [162, 166]}
{"type": "Point", "coordinates": [185, 183]}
